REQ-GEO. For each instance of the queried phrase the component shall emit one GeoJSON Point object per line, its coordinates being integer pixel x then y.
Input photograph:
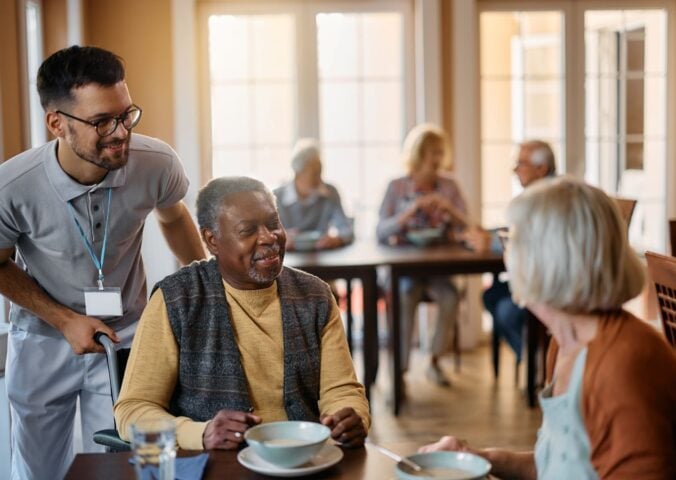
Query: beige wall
{"type": "Point", "coordinates": [10, 82]}
{"type": "Point", "coordinates": [140, 32]}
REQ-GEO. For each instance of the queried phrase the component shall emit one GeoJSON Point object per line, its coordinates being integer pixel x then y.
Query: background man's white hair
{"type": "Point", "coordinates": [305, 150]}
{"type": "Point", "coordinates": [541, 154]}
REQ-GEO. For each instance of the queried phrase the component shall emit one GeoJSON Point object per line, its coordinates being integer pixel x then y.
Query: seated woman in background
{"type": "Point", "coordinates": [424, 198]}
{"type": "Point", "coordinates": [609, 409]}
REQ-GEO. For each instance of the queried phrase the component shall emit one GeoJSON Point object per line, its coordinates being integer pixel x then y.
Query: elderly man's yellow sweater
{"type": "Point", "coordinates": [256, 321]}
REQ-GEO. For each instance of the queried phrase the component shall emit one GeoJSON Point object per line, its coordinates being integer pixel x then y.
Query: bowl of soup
{"type": "Point", "coordinates": [424, 236]}
{"type": "Point", "coordinates": [445, 466]}
{"type": "Point", "coordinates": [305, 241]}
{"type": "Point", "coordinates": [287, 444]}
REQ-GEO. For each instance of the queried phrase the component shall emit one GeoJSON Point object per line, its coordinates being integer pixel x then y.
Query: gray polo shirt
{"type": "Point", "coordinates": [35, 218]}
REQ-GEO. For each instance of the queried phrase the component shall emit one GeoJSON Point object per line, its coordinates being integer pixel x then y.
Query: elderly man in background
{"type": "Point", "coordinates": [535, 161]}
{"type": "Point", "coordinates": [307, 204]}
{"type": "Point", "coordinates": [237, 340]}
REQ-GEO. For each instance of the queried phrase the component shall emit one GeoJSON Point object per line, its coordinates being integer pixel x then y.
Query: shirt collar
{"type": "Point", "coordinates": [67, 188]}
{"type": "Point", "coordinates": [290, 195]}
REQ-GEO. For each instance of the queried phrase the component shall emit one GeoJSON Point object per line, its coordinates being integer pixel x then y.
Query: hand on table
{"type": "Point", "coordinates": [346, 427]}
{"type": "Point", "coordinates": [477, 239]}
{"type": "Point", "coordinates": [226, 430]}
{"type": "Point", "coordinates": [447, 443]}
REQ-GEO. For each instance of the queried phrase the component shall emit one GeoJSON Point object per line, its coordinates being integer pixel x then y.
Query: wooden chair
{"type": "Point", "coordinates": [662, 269]}
{"type": "Point", "coordinates": [626, 206]}
{"type": "Point", "coordinates": [672, 236]}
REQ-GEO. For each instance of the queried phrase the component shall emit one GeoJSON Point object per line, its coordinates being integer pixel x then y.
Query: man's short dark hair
{"type": "Point", "coordinates": [75, 67]}
{"type": "Point", "coordinates": [211, 197]}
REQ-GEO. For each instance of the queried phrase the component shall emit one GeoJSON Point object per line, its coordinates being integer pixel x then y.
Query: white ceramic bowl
{"type": "Point", "coordinates": [306, 240]}
{"type": "Point", "coordinates": [445, 466]}
{"type": "Point", "coordinates": [287, 444]}
{"type": "Point", "coordinates": [424, 236]}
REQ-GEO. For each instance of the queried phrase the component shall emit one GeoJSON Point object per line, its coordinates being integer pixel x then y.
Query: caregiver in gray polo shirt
{"type": "Point", "coordinates": [73, 212]}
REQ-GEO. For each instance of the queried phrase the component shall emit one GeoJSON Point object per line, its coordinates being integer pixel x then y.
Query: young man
{"type": "Point", "coordinates": [71, 223]}
{"type": "Point", "coordinates": [238, 340]}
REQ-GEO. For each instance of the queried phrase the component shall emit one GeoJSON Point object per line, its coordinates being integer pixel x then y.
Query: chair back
{"type": "Point", "coordinates": [672, 236]}
{"type": "Point", "coordinates": [662, 270]}
{"type": "Point", "coordinates": [626, 206]}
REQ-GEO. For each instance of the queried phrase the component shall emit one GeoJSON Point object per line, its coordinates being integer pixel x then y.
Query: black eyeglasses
{"type": "Point", "coordinates": [106, 126]}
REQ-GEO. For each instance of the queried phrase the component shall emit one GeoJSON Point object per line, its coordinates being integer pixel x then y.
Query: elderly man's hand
{"type": "Point", "coordinates": [226, 430]}
{"type": "Point", "coordinates": [346, 427]}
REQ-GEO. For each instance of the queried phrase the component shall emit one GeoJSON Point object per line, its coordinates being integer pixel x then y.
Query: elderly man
{"type": "Point", "coordinates": [237, 340]}
{"type": "Point", "coordinates": [534, 162]}
{"type": "Point", "coordinates": [307, 204]}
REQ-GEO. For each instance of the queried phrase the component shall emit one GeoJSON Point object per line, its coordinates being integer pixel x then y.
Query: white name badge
{"type": "Point", "coordinates": [103, 303]}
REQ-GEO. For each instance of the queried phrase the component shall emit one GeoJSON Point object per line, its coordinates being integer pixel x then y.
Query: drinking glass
{"type": "Point", "coordinates": [154, 446]}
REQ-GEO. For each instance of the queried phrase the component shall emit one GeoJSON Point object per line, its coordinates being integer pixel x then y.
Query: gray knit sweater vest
{"type": "Point", "coordinates": [210, 376]}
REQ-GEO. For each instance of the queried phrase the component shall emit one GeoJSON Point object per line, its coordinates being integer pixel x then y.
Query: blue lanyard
{"type": "Point", "coordinates": [97, 263]}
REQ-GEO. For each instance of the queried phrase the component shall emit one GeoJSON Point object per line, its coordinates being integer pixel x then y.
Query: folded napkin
{"type": "Point", "coordinates": [185, 468]}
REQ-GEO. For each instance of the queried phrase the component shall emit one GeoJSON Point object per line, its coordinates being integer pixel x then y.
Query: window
{"type": "Point", "coordinates": [625, 115]}
{"type": "Point", "coordinates": [612, 128]}
{"type": "Point", "coordinates": [33, 25]}
{"type": "Point", "coordinates": [522, 85]}
{"type": "Point", "coordinates": [338, 74]}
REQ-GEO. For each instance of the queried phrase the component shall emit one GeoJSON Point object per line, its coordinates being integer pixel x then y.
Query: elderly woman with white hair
{"type": "Point", "coordinates": [309, 206]}
{"type": "Point", "coordinates": [427, 197]}
{"type": "Point", "coordinates": [609, 408]}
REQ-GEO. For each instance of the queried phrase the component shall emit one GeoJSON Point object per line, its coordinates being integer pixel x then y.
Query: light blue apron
{"type": "Point", "coordinates": [562, 450]}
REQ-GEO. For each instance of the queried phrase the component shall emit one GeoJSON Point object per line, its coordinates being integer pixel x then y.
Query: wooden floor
{"type": "Point", "coordinates": [477, 408]}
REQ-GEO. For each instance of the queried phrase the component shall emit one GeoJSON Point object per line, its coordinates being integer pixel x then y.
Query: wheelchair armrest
{"type": "Point", "coordinates": [112, 441]}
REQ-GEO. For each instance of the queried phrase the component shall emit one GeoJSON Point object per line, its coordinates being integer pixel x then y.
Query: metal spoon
{"type": "Point", "coordinates": [394, 456]}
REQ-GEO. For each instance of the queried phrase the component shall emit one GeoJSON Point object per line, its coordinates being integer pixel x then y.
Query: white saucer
{"type": "Point", "coordinates": [327, 457]}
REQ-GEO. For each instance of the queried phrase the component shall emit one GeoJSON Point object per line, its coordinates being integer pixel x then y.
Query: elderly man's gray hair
{"type": "Point", "coordinates": [305, 150]}
{"type": "Point", "coordinates": [211, 197]}
{"type": "Point", "coordinates": [541, 154]}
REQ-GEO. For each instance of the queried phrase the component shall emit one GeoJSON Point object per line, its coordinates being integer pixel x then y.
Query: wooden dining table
{"type": "Point", "coordinates": [357, 464]}
{"type": "Point", "coordinates": [360, 260]}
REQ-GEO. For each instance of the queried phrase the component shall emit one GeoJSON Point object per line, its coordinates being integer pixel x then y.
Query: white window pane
{"type": "Point", "coordinates": [339, 116]}
{"type": "Point", "coordinates": [542, 100]}
{"type": "Point", "coordinates": [271, 165]}
{"type": "Point", "coordinates": [544, 24]}
{"type": "Point", "coordinates": [543, 59]}
{"type": "Point", "coordinates": [273, 50]}
{"type": "Point", "coordinates": [497, 31]}
{"type": "Point", "coordinates": [230, 115]}
{"type": "Point", "coordinates": [228, 162]}
{"type": "Point", "coordinates": [382, 111]}
{"type": "Point", "coordinates": [272, 104]}
{"type": "Point", "coordinates": [342, 168]}
{"type": "Point", "coordinates": [382, 165]}
{"type": "Point", "coordinates": [498, 187]}
{"type": "Point", "coordinates": [655, 107]}
{"type": "Point", "coordinates": [228, 47]}
{"type": "Point", "coordinates": [337, 45]}
{"type": "Point", "coordinates": [382, 34]}
{"type": "Point", "coordinates": [496, 110]}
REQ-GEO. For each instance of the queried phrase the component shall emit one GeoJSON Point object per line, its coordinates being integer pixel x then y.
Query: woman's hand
{"type": "Point", "coordinates": [447, 443]}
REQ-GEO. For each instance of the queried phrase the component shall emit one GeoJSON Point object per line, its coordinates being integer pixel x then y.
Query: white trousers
{"type": "Point", "coordinates": [44, 381]}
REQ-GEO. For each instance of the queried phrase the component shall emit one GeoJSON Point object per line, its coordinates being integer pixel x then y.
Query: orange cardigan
{"type": "Point", "coordinates": [628, 399]}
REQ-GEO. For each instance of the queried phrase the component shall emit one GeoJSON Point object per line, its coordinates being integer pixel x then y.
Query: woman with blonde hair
{"type": "Point", "coordinates": [609, 408]}
{"type": "Point", "coordinates": [424, 198]}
